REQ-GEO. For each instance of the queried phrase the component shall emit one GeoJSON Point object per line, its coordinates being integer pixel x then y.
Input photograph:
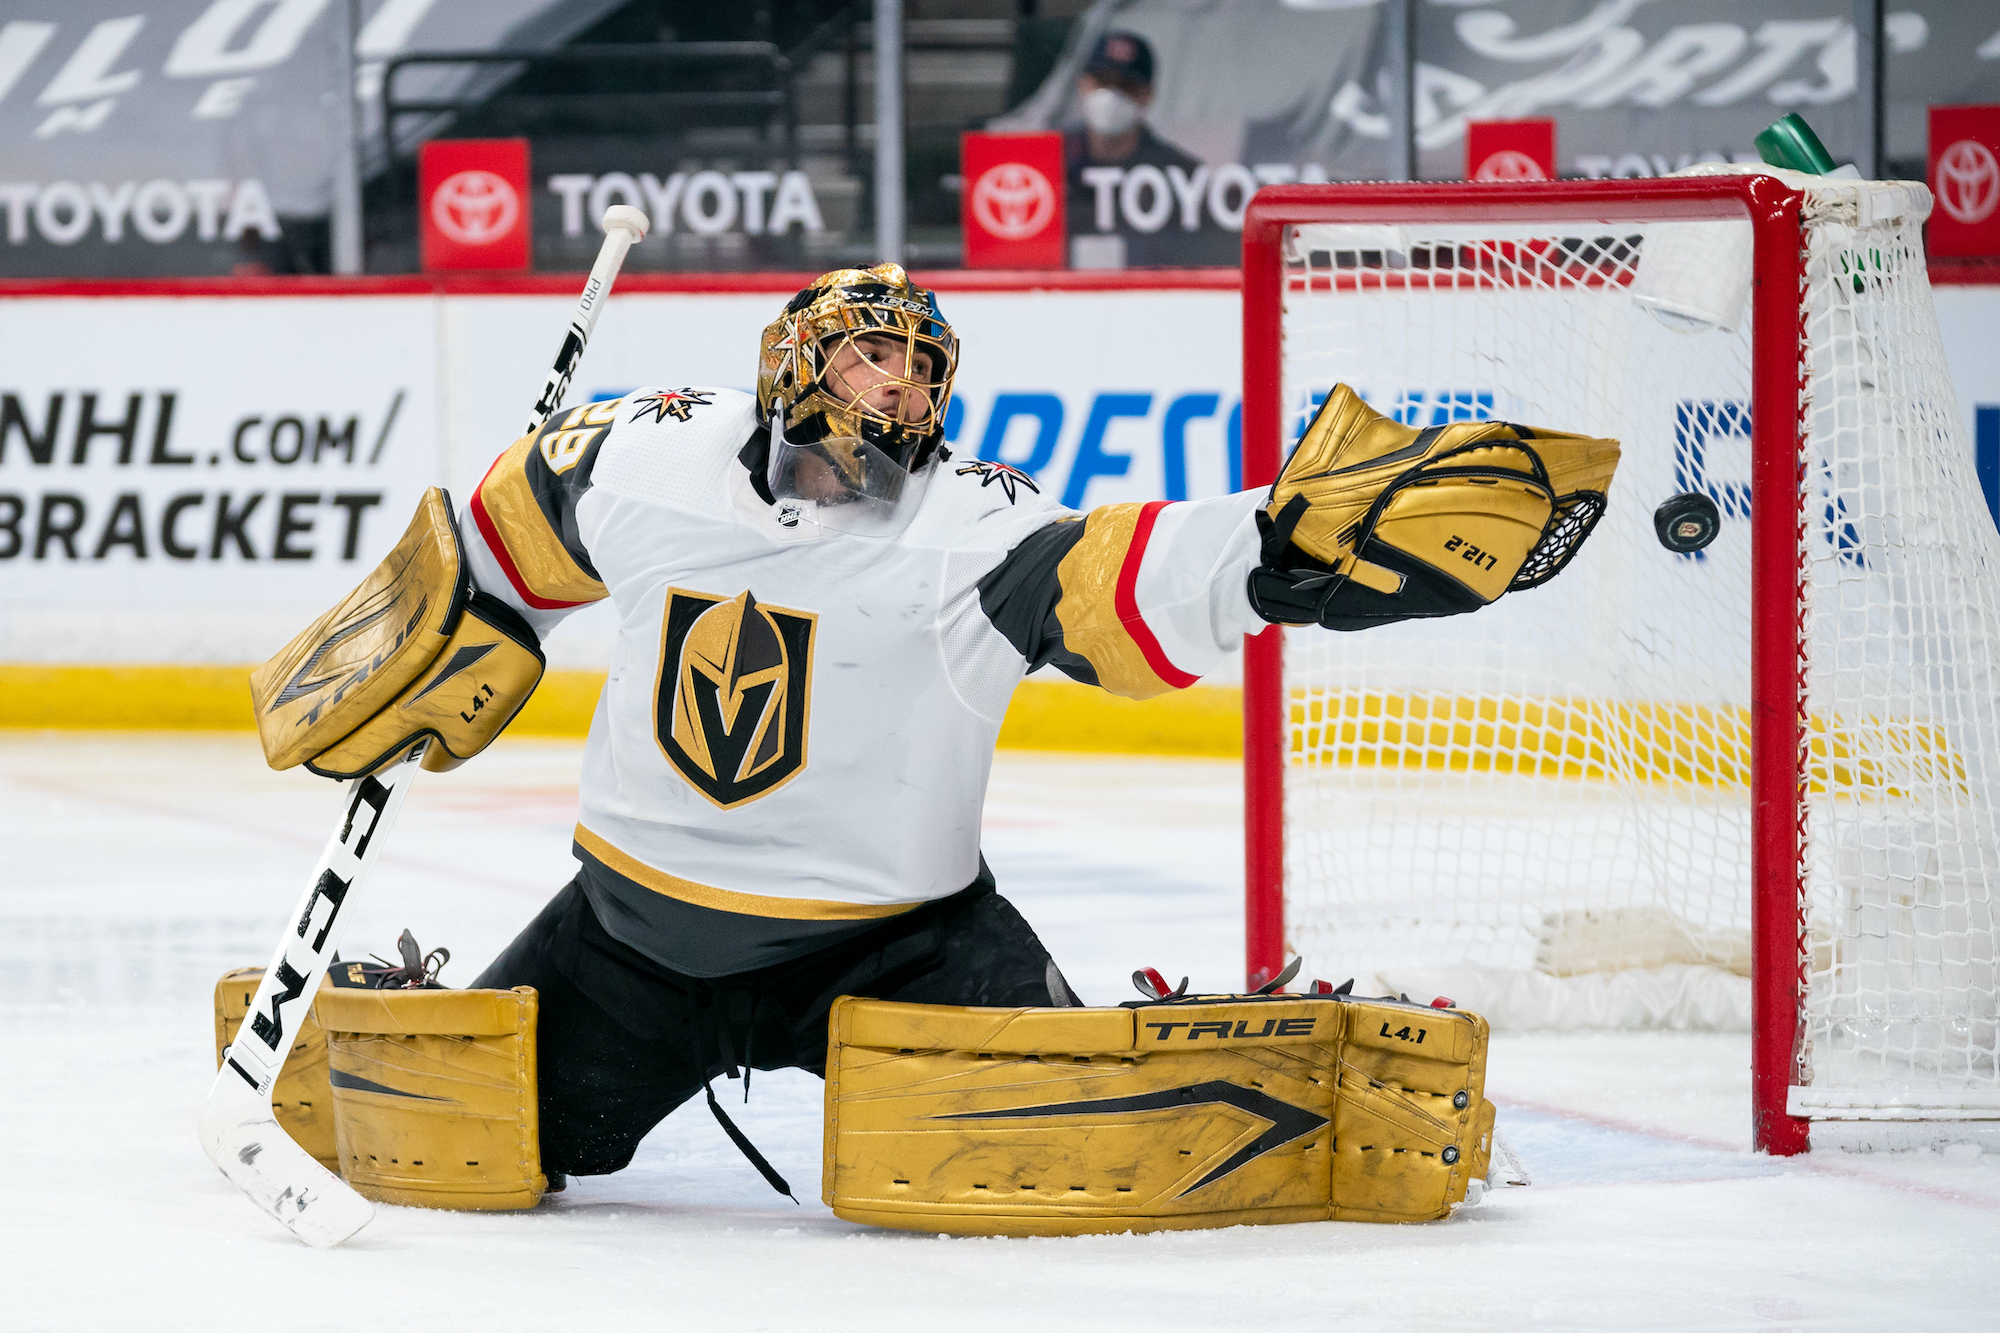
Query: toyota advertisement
{"type": "Point", "coordinates": [472, 209]}
{"type": "Point", "coordinates": [198, 137]}
{"type": "Point", "coordinates": [1013, 205]}
{"type": "Point", "coordinates": [1511, 150]}
{"type": "Point", "coordinates": [1965, 179]}
{"type": "Point", "coordinates": [1280, 89]}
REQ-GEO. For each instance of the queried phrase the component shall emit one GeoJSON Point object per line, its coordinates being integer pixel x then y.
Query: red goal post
{"type": "Point", "coordinates": [1778, 720]}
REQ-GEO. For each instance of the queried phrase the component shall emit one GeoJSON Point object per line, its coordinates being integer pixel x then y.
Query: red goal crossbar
{"type": "Point", "coordinates": [1778, 947]}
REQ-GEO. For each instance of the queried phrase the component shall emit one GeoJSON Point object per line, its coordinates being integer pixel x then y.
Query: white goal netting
{"type": "Point", "coordinates": [1543, 809]}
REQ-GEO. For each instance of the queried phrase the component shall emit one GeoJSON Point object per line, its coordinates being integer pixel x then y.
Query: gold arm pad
{"type": "Point", "coordinates": [412, 653]}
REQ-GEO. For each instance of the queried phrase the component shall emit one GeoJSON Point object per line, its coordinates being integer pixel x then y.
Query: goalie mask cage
{"type": "Point", "coordinates": [1752, 786]}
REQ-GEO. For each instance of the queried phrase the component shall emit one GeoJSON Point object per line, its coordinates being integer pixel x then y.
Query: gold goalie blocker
{"type": "Point", "coordinates": [1207, 1112]}
{"type": "Point", "coordinates": [1372, 521]}
{"type": "Point", "coordinates": [412, 653]}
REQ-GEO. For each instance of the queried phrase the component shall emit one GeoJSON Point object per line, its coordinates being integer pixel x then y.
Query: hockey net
{"type": "Point", "coordinates": [1570, 809]}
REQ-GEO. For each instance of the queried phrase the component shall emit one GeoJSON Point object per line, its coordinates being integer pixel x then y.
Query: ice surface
{"type": "Point", "coordinates": [134, 870]}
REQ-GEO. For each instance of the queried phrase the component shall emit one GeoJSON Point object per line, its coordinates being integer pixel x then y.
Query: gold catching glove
{"type": "Point", "coordinates": [412, 652]}
{"type": "Point", "coordinates": [1372, 521]}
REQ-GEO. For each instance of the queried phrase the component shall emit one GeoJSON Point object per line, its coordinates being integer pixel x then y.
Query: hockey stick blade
{"type": "Point", "coordinates": [238, 1130]}
{"type": "Point", "coordinates": [280, 1177]}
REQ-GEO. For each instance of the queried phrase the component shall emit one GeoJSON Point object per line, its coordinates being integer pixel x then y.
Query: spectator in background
{"type": "Point", "coordinates": [1114, 90]}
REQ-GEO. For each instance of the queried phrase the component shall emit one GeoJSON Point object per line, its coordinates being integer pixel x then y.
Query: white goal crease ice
{"type": "Point", "coordinates": [1575, 807]}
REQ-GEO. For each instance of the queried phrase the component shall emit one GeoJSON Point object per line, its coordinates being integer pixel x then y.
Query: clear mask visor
{"type": "Point", "coordinates": [845, 485]}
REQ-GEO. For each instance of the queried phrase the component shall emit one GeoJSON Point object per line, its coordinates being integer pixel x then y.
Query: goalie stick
{"type": "Point", "coordinates": [239, 1131]}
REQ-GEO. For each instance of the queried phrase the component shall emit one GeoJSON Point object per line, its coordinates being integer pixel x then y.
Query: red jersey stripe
{"type": "Point", "coordinates": [1127, 606]}
{"type": "Point", "coordinates": [490, 532]}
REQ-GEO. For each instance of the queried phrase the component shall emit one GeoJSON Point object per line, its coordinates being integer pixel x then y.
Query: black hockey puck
{"type": "Point", "coordinates": [1687, 522]}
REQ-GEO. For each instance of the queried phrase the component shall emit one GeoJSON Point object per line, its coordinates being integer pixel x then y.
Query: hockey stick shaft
{"type": "Point", "coordinates": [239, 1130]}
{"type": "Point", "coordinates": [623, 226]}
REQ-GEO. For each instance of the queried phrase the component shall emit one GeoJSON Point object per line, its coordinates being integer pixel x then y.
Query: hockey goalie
{"type": "Point", "coordinates": [822, 616]}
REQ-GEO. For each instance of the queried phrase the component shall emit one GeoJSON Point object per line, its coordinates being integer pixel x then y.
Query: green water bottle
{"type": "Point", "coordinates": [1790, 142]}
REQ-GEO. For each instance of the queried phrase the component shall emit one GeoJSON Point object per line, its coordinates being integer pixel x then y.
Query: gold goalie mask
{"type": "Point", "coordinates": [1372, 521]}
{"type": "Point", "coordinates": [853, 380]}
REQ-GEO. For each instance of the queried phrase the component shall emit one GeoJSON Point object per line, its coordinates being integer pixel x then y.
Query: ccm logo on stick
{"type": "Point", "coordinates": [270, 1028]}
{"type": "Point", "coordinates": [1273, 1027]}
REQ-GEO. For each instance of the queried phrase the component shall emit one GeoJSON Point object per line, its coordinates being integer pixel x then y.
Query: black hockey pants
{"type": "Point", "coordinates": [621, 1040]}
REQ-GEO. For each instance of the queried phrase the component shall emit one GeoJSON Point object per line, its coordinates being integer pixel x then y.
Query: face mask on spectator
{"type": "Point", "coordinates": [1108, 111]}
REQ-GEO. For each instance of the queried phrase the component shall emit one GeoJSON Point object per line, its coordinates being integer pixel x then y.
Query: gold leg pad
{"type": "Point", "coordinates": [435, 1096]}
{"type": "Point", "coordinates": [1030, 1122]}
{"type": "Point", "coordinates": [1414, 1127]}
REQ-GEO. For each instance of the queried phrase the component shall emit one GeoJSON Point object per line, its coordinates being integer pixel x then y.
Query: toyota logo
{"type": "Point", "coordinates": [475, 207]}
{"type": "Point", "coordinates": [1968, 181]}
{"type": "Point", "coordinates": [1013, 201]}
{"type": "Point", "coordinates": [1510, 164]}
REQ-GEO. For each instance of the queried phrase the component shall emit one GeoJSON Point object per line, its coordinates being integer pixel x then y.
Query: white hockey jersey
{"type": "Point", "coordinates": [796, 732]}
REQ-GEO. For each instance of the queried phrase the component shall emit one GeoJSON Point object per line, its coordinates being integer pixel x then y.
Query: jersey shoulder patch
{"type": "Point", "coordinates": [1008, 479]}
{"type": "Point", "coordinates": [976, 504]}
{"type": "Point", "coordinates": [680, 404]}
{"type": "Point", "coordinates": [672, 445]}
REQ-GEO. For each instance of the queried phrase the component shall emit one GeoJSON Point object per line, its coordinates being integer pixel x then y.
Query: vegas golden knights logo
{"type": "Point", "coordinates": [735, 686]}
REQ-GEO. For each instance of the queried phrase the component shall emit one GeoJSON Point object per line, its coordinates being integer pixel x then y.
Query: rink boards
{"type": "Point", "coordinates": [185, 478]}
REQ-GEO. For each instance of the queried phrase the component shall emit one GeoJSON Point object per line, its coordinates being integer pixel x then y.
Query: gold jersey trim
{"type": "Point", "coordinates": [728, 900]}
{"type": "Point", "coordinates": [1088, 606]}
{"type": "Point", "coordinates": [517, 531]}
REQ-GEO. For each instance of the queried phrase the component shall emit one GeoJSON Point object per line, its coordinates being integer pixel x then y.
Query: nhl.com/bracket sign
{"type": "Point", "coordinates": [473, 209]}
{"type": "Point", "coordinates": [1012, 206]}
{"type": "Point", "coordinates": [1965, 179]}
